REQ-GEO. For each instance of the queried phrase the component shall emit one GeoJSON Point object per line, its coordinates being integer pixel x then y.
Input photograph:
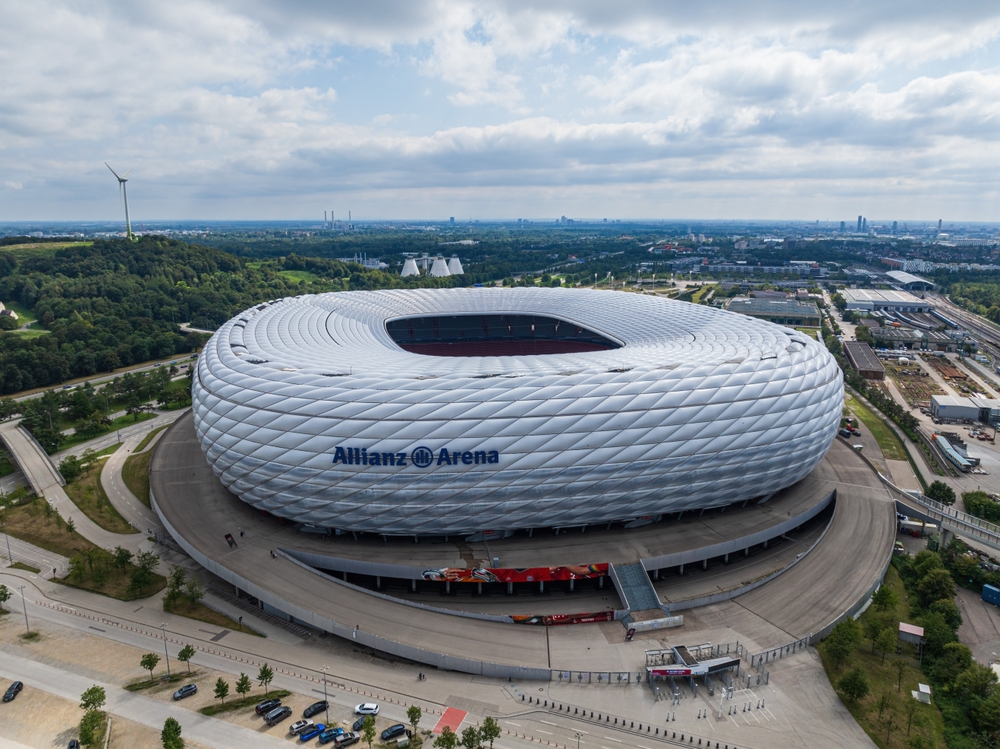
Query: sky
{"type": "Point", "coordinates": [254, 109]}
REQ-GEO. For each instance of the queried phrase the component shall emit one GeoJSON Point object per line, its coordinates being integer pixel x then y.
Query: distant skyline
{"type": "Point", "coordinates": [254, 110]}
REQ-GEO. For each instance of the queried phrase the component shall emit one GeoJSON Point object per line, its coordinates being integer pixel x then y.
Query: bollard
{"type": "Point", "coordinates": [632, 724]}
{"type": "Point", "coordinates": [522, 698]}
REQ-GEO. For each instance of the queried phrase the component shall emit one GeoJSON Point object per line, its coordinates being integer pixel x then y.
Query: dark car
{"type": "Point", "coordinates": [12, 691]}
{"type": "Point", "coordinates": [315, 708]}
{"type": "Point", "coordinates": [277, 715]}
{"type": "Point", "coordinates": [393, 731]}
{"type": "Point", "coordinates": [347, 739]}
{"type": "Point", "coordinates": [359, 723]}
{"type": "Point", "coordinates": [263, 708]}
{"type": "Point", "coordinates": [73, 744]}
{"type": "Point", "coordinates": [844, 433]}
{"type": "Point", "coordinates": [186, 691]}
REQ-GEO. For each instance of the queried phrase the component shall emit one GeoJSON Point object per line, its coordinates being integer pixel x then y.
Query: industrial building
{"type": "Point", "coordinates": [863, 359]}
{"type": "Point", "coordinates": [790, 312]}
{"type": "Point", "coordinates": [909, 281]}
{"type": "Point", "coordinates": [887, 299]}
{"type": "Point", "coordinates": [911, 339]}
{"type": "Point", "coordinates": [953, 408]}
{"type": "Point", "coordinates": [437, 411]}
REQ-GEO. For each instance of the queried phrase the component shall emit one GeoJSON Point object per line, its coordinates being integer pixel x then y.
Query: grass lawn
{"type": "Point", "coordinates": [891, 447]}
{"type": "Point", "coordinates": [300, 275]}
{"type": "Point", "coordinates": [249, 701]}
{"type": "Point", "coordinates": [44, 528]}
{"type": "Point", "coordinates": [120, 422]}
{"type": "Point", "coordinates": [162, 683]}
{"type": "Point", "coordinates": [88, 494]}
{"type": "Point", "coordinates": [24, 315]}
{"type": "Point", "coordinates": [203, 613]}
{"type": "Point", "coordinates": [148, 438]}
{"type": "Point", "coordinates": [29, 246]}
{"type": "Point", "coordinates": [116, 585]}
{"type": "Point", "coordinates": [927, 720]}
{"type": "Point", "coordinates": [28, 334]}
{"type": "Point", "coordinates": [25, 567]}
{"type": "Point", "coordinates": [135, 474]}
{"type": "Point", "coordinates": [811, 332]}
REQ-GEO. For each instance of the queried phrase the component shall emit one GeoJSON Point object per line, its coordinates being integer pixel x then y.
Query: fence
{"type": "Point", "coordinates": [597, 677]}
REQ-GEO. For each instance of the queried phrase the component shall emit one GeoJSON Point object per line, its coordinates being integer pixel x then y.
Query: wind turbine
{"type": "Point", "coordinates": [122, 192]}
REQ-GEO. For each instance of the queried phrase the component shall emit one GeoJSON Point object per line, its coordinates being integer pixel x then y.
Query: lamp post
{"type": "Point", "coordinates": [325, 700]}
{"type": "Point", "coordinates": [24, 603]}
{"type": "Point", "coordinates": [163, 628]}
{"type": "Point", "coordinates": [7, 536]}
{"type": "Point", "coordinates": [578, 734]}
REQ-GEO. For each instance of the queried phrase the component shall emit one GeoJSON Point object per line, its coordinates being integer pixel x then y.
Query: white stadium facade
{"type": "Point", "coordinates": [447, 411]}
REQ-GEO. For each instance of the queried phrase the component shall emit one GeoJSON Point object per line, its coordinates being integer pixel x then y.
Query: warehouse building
{"type": "Point", "coordinates": [790, 312]}
{"type": "Point", "coordinates": [863, 359]}
{"type": "Point", "coordinates": [888, 299]}
{"type": "Point", "coordinates": [952, 408]}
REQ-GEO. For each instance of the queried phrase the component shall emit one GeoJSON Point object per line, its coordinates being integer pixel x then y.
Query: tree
{"type": "Point", "coordinates": [955, 659]}
{"type": "Point", "coordinates": [90, 723]}
{"type": "Point", "coordinates": [414, 714]}
{"type": "Point", "coordinates": [986, 714]}
{"type": "Point", "coordinates": [171, 734]}
{"type": "Point", "coordinates": [185, 655]}
{"type": "Point", "coordinates": [900, 665]}
{"type": "Point", "coordinates": [175, 581]}
{"type": "Point", "coordinates": [854, 684]}
{"type": "Point", "coordinates": [122, 557]}
{"type": "Point", "coordinates": [949, 610]}
{"type": "Point", "coordinates": [93, 699]}
{"type": "Point", "coordinates": [874, 626]}
{"type": "Point", "coordinates": [490, 730]}
{"type": "Point", "coordinates": [70, 468]}
{"type": "Point", "coordinates": [368, 730]}
{"type": "Point", "coordinates": [884, 599]}
{"type": "Point", "coordinates": [447, 740]}
{"type": "Point", "coordinates": [243, 685]}
{"type": "Point", "coordinates": [937, 633]}
{"type": "Point", "coordinates": [221, 689]}
{"type": "Point", "coordinates": [472, 737]}
{"type": "Point", "coordinates": [937, 584]}
{"type": "Point", "coordinates": [910, 707]}
{"type": "Point", "coordinates": [148, 662]}
{"type": "Point", "coordinates": [976, 681]}
{"type": "Point", "coordinates": [194, 590]}
{"type": "Point", "coordinates": [882, 703]}
{"type": "Point", "coordinates": [265, 676]}
{"type": "Point", "coordinates": [4, 596]}
{"type": "Point", "coordinates": [842, 641]}
{"type": "Point", "coordinates": [70, 525]}
{"type": "Point", "coordinates": [886, 642]}
{"type": "Point", "coordinates": [941, 492]}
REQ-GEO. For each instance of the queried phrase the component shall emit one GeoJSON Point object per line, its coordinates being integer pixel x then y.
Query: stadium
{"type": "Point", "coordinates": [487, 410]}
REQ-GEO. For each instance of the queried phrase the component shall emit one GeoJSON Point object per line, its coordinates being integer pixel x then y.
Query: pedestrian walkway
{"type": "Point", "coordinates": [15, 550]}
{"type": "Point", "coordinates": [635, 588]}
{"type": "Point", "coordinates": [38, 468]}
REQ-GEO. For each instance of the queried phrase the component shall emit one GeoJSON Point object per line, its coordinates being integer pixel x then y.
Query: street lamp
{"type": "Point", "coordinates": [163, 628]}
{"type": "Point", "coordinates": [578, 734]}
{"type": "Point", "coordinates": [24, 603]}
{"type": "Point", "coordinates": [325, 700]}
{"type": "Point", "coordinates": [7, 536]}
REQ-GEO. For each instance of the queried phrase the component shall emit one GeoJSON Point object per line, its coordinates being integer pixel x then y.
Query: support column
{"type": "Point", "coordinates": [571, 585]}
{"type": "Point", "coordinates": [479, 588]}
{"type": "Point", "coordinates": [727, 558]}
{"type": "Point", "coordinates": [765, 544]}
{"type": "Point", "coordinates": [378, 582]}
{"type": "Point", "coordinates": [600, 582]}
{"type": "Point", "coordinates": [704, 564]}
{"type": "Point", "coordinates": [510, 589]}
{"type": "Point", "coordinates": [447, 586]}
{"type": "Point", "coordinates": [413, 585]}
{"type": "Point", "coordinates": [680, 570]}
{"type": "Point", "coordinates": [541, 586]}
{"type": "Point", "coordinates": [656, 574]}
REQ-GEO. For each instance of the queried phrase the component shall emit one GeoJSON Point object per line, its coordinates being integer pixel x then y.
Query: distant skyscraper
{"type": "Point", "coordinates": [939, 226]}
{"type": "Point", "coordinates": [324, 219]}
{"type": "Point", "coordinates": [864, 224]}
{"type": "Point", "coordinates": [859, 223]}
{"type": "Point", "coordinates": [451, 220]}
{"type": "Point", "coordinates": [894, 224]}
{"type": "Point", "coordinates": [843, 226]}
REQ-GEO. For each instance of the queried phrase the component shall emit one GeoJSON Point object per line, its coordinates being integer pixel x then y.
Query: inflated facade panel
{"type": "Point", "coordinates": [306, 408]}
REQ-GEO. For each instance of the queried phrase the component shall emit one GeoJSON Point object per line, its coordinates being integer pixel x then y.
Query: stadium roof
{"type": "Point", "coordinates": [909, 281]}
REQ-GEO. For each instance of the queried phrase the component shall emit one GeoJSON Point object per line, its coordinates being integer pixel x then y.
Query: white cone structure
{"type": "Point", "coordinates": [440, 268]}
{"type": "Point", "coordinates": [455, 266]}
{"type": "Point", "coordinates": [410, 268]}
{"type": "Point", "coordinates": [309, 409]}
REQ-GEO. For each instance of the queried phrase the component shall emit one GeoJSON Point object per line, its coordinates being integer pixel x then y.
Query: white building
{"type": "Point", "coordinates": [887, 299]}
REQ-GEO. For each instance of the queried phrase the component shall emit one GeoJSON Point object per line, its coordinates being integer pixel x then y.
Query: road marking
{"type": "Point", "coordinates": [548, 723]}
{"type": "Point", "coordinates": [98, 629]}
{"type": "Point", "coordinates": [612, 739]}
{"type": "Point", "coordinates": [547, 733]}
{"type": "Point", "coordinates": [513, 723]}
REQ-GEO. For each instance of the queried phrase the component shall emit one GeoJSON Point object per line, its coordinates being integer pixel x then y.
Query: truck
{"type": "Point", "coordinates": [991, 594]}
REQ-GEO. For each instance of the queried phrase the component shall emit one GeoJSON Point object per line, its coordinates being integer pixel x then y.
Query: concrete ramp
{"type": "Point", "coordinates": [37, 467]}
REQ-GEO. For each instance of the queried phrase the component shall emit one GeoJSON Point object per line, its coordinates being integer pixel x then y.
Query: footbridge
{"type": "Point", "coordinates": [38, 468]}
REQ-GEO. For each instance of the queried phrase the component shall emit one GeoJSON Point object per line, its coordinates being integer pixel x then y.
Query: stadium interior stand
{"type": "Point", "coordinates": [494, 335]}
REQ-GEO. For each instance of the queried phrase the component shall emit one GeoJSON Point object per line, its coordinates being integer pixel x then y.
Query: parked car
{"type": "Point", "coordinates": [12, 691]}
{"type": "Point", "coordinates": [845, 433]}
{"type": "Point", "coordinates": [186, 691]}
{"type": "Point", "coordinates": [263, 708]}
{"type": "Point", "coordinates": [366, 708]}
{"type": "Point", "coordinates": [393, 731]}
{"type": "Point", "coordinates": [299, 726]}
{"type": "Point", "coordinates": [315, 708]}
{"type": "Point", "coordinates": [330, 734]}
{"type": "Point", "coordinates": [73, 744]}
{"type": "Point", "coordinates": [347, 739]}
{"type": "Point", "coordinates": [277, 715]}
{"type": "Point", "coordinates": [310, 733]}
{"type": "Point", "coordinates": [359, 723]}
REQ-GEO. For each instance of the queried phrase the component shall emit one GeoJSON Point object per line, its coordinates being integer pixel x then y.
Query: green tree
{"type": "Point", "coordinates": [873, 626]}
{"type": "Point", "coordinates": [925, 561]}
{"type": "Point", "coordinates": [414, 714]}
{"type": "Point", "coordinates": [149, 662]}
{"type": "Point", "coordinates": [171, 734]}
{"type": "Point", "coordinates": [472, 737]}
{"type": "Point", "coordinates": [854, 684]}
{"type": "Point", "coordinates": [264, 676]}
{"type": "Point", "coordinates": [70, 525]}
{"type": "Point", "coordinates": [949, 610]}
{"type": "Point", "coordinates": [884, 599]}
{"type": "Point", "coordinates": [93, 699]}
{"type": "Point", "coordinates": [985, 714]}
{"type": "Point", "coordinates": [490, 730]}
{"type": "Point", "coordinates": [221, 689]}
{"type": "Point", "coordinates": [899, 664]}
{"type": "Point", "coordinates": [368, 730]}
{"type": "Point", "coordinates": [122, 558]}
{"type": "Point", "coordinates": [935, 585]}
{"type": "Point", "coordinates": [4, 596]}
{"type": "Point", "coordinates": [937, 633]}
{"type": "Point", "coordinates": [70, 468]}
{"type": "Point", "coordinates": [185, 655]}
{"type": "Point", "coordinates": [886, 642]}
{"type": "Point", "coordinates": [976, 681]}
{"type": "Point", "coordinates": [194, 591]}
{"type": "Point", "coordinates": [175, 582]}
{"type": "Point", "coordinates": [90, 725]}
{"type": "Point", "coordinates": [447, 740]}
{"type": "Point", "coordinates": [243, 685]}
{"type": "Point", "coordinates": [955, 659]}
{"type": "Point", "coordinates": [941, 492]}
{"type": "Point", "coordinates": [843, 640]}
{"type": "Point", "coordinates": [882, 703]}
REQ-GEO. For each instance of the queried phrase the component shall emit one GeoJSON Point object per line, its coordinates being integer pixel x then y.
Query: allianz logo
{"type": "Point", "coordinates": [421, 457]}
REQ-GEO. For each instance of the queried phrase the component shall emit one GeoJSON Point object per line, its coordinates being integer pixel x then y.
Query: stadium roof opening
{"type": "Point", "coordinates": [494, 335]}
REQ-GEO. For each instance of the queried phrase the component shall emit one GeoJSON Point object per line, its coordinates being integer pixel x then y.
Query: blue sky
{"type": "Point", "coordinates": [253, 109]}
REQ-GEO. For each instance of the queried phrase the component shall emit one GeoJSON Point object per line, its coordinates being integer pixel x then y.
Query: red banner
{"type": "Point", "coordinates": [551, 620]}
{"type": "Point", "coordinates": [514, 575]}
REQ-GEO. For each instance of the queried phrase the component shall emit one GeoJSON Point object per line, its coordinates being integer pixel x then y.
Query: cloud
{"type": "Point", "coordinates": [223, 103]}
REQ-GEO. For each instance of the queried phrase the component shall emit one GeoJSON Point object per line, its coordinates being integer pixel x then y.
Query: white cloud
{"type": "Point", "coordinates": [14, 185]}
